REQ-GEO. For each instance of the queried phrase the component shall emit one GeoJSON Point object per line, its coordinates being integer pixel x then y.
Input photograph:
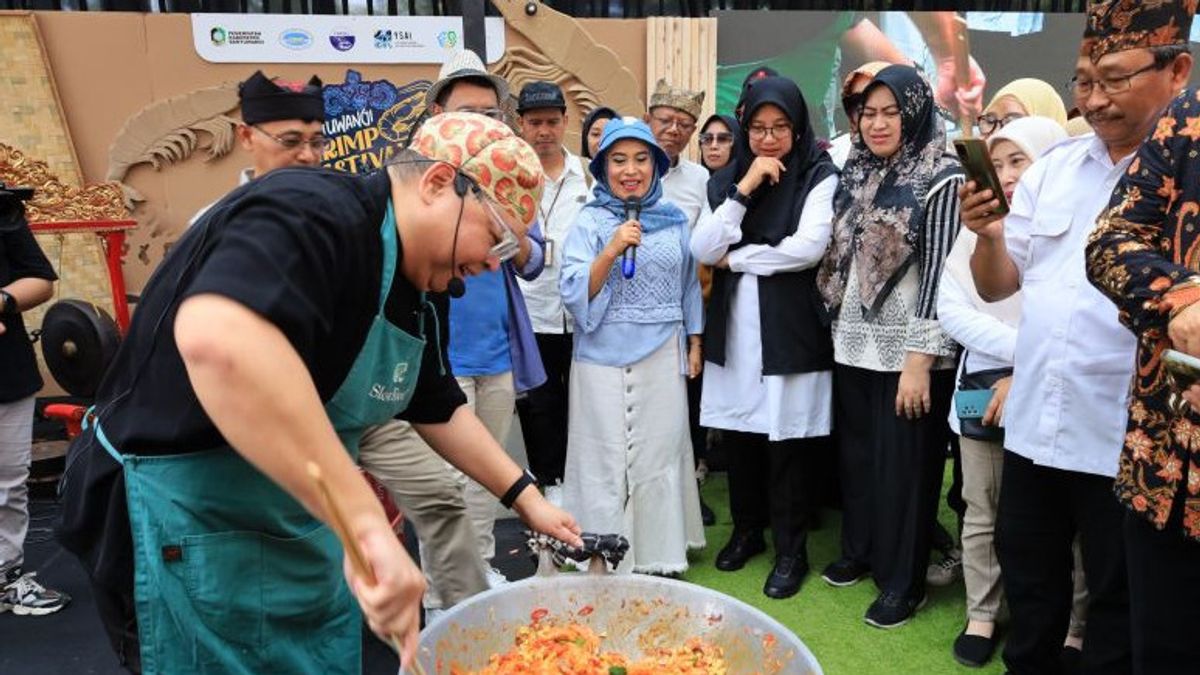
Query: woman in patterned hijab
{"type": "Point", "coordinates": [895, 219]}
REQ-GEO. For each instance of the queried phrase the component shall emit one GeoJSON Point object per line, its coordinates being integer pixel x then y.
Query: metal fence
{"type": "Point", "coordinates": [581, 8]}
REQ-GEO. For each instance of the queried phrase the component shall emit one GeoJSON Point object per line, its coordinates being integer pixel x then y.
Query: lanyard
{"type": "Point", "coordinates": [545, 215]}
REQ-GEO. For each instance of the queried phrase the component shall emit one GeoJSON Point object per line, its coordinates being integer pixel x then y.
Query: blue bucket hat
{"type": "Point", "coordinates": [627, 127]}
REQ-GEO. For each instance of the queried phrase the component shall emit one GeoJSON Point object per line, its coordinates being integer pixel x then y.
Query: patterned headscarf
{"type": "Point", "coordinates": [1118, 25]}
{"type": "Point", "coordinates": [489, 153]}
{"type": "Point", "coordinates": [879, 208]}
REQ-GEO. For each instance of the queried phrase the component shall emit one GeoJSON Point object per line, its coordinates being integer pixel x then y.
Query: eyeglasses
{"type": "Point", "coordinates": [1108, 85]}
{"type": "Point", "coordinates": [719, 138]}
{"type": "Point", "coordinates": [685, 126]}
{"type": "Point", "coordinates": [293, 143]}
{"type": "Point", "coordinates": [494, 113]}
{"type": "Point", "coordinates": [989, 123]}
{"type": "Point", "coordinates": [507, 244]}
{"type": "Point", "coordinates": [777, 131]}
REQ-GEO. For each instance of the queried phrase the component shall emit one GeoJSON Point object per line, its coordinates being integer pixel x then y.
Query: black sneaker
{"type": "Point", "coordinates": [974, 650]}
{"type": "Point", "coordinates": [891, 610]}
{"type": "Point", "coordinates": [845, 572]}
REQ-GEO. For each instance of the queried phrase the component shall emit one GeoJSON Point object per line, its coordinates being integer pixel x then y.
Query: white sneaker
{"type": "Point", "coordinates": [26, 597]}
{"type": "Point", "coordinates": [496, 578]}
{"type": "Point", "coordinates": [553, 494]}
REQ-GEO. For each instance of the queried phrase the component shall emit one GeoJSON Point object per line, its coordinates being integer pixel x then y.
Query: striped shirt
{"type": "Point", "coordinates": [907, 321]}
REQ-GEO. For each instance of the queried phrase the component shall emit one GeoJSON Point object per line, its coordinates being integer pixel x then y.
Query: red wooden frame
{"type": "Point", "coordinates": [112, 233]}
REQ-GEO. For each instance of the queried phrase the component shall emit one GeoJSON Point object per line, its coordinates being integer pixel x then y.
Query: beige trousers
{"type": "Point", "coordinates": [493, 400]}
{"type": "Point", "coordinates": [982, 467]}
{"type": "Point", "coordinates": [432, 500]}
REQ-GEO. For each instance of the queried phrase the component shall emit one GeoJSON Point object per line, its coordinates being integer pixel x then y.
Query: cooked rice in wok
{"type": "Point", "coordinates": [549, 648]}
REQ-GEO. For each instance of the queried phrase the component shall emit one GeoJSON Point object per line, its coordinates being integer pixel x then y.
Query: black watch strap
{"type": "Point", "coordinates": [737, 196]}
{"type": "Point", "coordinates": [519, 486]}
{"type": "Point", "coordinates": [10, 304]}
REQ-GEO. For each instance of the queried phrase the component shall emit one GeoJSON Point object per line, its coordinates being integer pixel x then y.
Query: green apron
{"type": "Point", "coordinates": [232, 574]}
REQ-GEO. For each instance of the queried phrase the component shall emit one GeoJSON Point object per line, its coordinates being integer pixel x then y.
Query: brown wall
{"type": "Point", "coordinates": [110, 66]}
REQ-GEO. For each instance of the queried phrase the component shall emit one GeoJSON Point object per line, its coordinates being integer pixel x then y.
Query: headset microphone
{"type": "Point", "coordinates": [456, 288]}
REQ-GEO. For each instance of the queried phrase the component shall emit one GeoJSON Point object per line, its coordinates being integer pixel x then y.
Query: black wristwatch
{"type": "Point", "coordinates": [10, 304]}
{"type": "Point", "coordinates": [737, 196]}
{"type": "Point", "coordinates": [517, 488]}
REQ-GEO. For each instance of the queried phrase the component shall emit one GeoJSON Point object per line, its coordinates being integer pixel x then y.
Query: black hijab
{"type": "Point", "coordinates": [791, 314]}
{"type": "Point", "coordinates": [601, 113]}
{"type": "Point", "coordinates": [734, 128]}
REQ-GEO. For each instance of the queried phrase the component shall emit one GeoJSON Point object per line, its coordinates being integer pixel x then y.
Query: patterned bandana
{"type": "Point", "coordinates": [489, 153]}
{"type": "Point", "coordinates": [1118, 25]}
{"type": "Point", "coordinates": [667, 96]}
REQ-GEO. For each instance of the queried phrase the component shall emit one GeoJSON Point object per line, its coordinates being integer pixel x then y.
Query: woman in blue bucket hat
{"type": "Point", "coordinates": [630, 281]}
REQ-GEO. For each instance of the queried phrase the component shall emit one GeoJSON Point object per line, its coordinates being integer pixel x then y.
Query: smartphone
{"type": "Point", "coordinates": [1183, 369]}
{"type": "Point", "coordinates": [977, 162]}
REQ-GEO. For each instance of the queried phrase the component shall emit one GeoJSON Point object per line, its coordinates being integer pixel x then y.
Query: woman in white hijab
{"type": "Point", "coordinates": [988, 334]}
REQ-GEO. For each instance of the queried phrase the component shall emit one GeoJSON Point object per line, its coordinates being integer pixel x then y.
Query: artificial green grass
{"type": "Point", "coordinates": [830, 620]}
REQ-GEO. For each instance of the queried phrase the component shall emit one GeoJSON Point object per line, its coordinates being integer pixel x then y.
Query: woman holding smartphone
{"type": "Point", "coordinates": [630, 282]}
{"type": "Point", "coordinates": [896, 217]}
{"type": "Point", "coordinates": [988, 334]}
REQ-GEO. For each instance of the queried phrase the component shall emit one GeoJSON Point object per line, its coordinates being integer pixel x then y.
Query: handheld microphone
{"type": "Point", "coordinates": [633, 210]}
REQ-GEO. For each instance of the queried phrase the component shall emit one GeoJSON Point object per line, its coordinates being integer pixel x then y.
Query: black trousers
{"type": "Point", "coordinates": [1041, 510]}
{"type": "Point", "coordinates": [1164, 596]}
{"type": "Point", "coordinates": [543, 411]}
{"type": "Point", "coordinates": [771, 484]}
{"type": "Point", "coordinates": [117, 614]}
{"type": "Point", "coordinates": [891, 474]}
{"type": "Point", "coordinates": [699, 433]}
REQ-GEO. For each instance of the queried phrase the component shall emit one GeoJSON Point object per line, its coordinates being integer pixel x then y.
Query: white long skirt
{"type": "Point", "coordinates": [629, 459]}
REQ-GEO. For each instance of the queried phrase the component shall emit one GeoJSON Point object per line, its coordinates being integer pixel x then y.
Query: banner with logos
{"type": "Point", "coordinates": [299, 38]}
{"type": "Point", "coordinates": [366, 120]}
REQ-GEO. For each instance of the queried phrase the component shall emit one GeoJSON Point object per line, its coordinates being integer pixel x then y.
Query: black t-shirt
{"type": "Point", "coordinates": [301, 247]}
{"type": "Point", "coordinates": [20, 258]}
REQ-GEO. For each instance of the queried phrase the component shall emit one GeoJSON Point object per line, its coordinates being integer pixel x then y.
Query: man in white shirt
{"type": "Point", "coordinates": [543, 411]}
{"type": "Point", "coordinates": [1066, 411]}
{"type": "Point", "coordinates": [281, 126]}
{"type": "Point", "coordinates": [672, 117]}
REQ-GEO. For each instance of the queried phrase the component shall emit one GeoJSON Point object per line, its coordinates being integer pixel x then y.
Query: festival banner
{"type": "Point", "coordinates": [300, 38]}
{"type": "Point", "coordinates": [365, 121]}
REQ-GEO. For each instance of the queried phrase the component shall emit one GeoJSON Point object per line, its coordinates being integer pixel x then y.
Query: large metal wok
{"type": "Point", "coordinates": [633, 612]}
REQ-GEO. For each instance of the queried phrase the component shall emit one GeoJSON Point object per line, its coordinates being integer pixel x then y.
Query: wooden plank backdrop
{"type": "Point", "coordinates": [684, 52]}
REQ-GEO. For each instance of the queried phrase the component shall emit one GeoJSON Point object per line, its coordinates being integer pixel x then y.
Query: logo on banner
{"type": "Point", "coordinates": [218, 36]}
{"type": "Point", "coordinates": [387, 38]}
{"type": "Point", "coordinates": [447, 39]}
{"type": "Point", "coordinates": [365, 120]}
{"type": "Point", "coordinates": [296, 38]}
{"type": "Point", "coordinates": [342, 40]}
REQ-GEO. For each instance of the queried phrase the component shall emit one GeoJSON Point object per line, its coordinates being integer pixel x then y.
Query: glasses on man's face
{"type": "Point", "coordinates": [494, 113]}
{"type": "Point", "coordinates": [1117, 84]}
{"type": "Point", "coordinates": [507, 244]}
{"type": "Point", "coordinates": [759, 132]}
{"type": "Point", "coordinates": [990, 123]}
{"type": "Point", "coordinates": [293, 143]}
{"type": "Point", "coordinates": [665, 122]}
{"type": "Point", "coordinates": [719, 138]}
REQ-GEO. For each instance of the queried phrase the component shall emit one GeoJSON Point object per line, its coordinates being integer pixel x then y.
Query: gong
{"type": "Point", "coordinates": [79, 341]}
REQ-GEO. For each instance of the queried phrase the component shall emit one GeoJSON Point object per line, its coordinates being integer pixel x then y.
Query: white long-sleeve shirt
{"type": "Point", "coordinates": [737, 396]}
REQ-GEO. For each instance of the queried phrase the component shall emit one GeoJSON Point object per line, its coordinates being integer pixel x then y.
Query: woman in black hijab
{"type": "Point", "coordinates": [593, 128]}
{"type": "Point", "coordinates": [718, 138]}
{"type": "Point", "coordinates": [897, 218]}
{"type": "Point", "coordinates": [769, 381]}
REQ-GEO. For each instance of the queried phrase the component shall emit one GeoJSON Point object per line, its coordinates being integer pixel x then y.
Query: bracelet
{"type": "Point", "coordinates": [510, 497]}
